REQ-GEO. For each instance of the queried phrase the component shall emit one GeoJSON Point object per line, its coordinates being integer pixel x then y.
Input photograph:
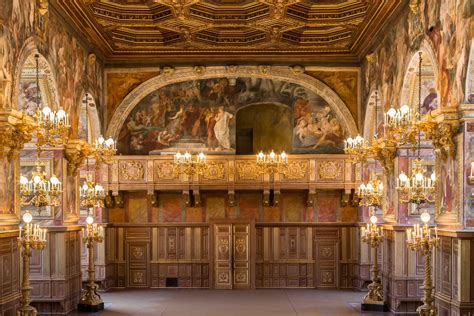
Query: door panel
{"type": "Point", "coordinates": [223, 256]}
{"type": "Point", "coordinates": [232, 256]}
{"type": "Point", "coordinates": [241, 262]}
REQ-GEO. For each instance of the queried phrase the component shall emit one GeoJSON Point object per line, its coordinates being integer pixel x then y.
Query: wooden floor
{"type": "Point", "coordinates": [180, 302]}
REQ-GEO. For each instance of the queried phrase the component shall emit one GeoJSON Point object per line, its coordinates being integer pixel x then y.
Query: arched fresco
{"type": "Point", "coordinates": [199, 115]}
{"type": "Point", "coordinates": [89, 123]}
{"type": "Point", "coordinates": [429, 92]}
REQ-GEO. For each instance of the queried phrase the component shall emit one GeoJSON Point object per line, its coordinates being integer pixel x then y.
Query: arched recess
{"type": "Point", "coordinates": [25, 71]}
{"type": "Point", "coordinates": [373, 112]}
{"type": "Point", "coordinates": [27, 88]}
{"type": "Point", "coordinates": [287, 82]}
{"type": "Point", "coordinates": [89, 123]}
{"type": "Point", "coordinates": [263, 126]}
{"type": "Point", "coordinates": [429, 81]}
{"type": "Point", "coordinates": [470, 76]}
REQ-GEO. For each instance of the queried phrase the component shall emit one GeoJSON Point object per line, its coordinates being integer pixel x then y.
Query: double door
{"type": "Point", "coordinates": [232, 255]}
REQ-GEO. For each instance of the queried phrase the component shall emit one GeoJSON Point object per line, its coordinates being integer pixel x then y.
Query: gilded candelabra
{"type": "Point", "coordinates": [370, 194]}
{"type": "Point", "coordinates": [104, 150]}
{"type": "Point", "coordinates": [418, 188]}
{"type": "Point", "coordinates": [92, 194]}
{"type": "Point", "coordinates": [421, 239]}
{"type": "Point", "coordinates": [272, 163]}
{"type": "Point", "coordinates": [31, 237]}
{"type": "Point", "coordinates": [189, 164]}
{"type": "Point", "coordinates": [372, 235]}
{"type": "Point", "coordinates": [357, 148]}
{"type": "Point", "coordinates": [90, 299]}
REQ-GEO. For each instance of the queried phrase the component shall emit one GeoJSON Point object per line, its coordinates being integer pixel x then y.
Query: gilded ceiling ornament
{"type": "Point", "coordinates": [199, 70]}
{"type": "Point", "coordinates": [168, 71]}
{"type": "Point", "coordinates": [263, 69]}
{"type": "Point", "coordinates": [370, 57]}
{"type": "Point", "coordinates": [91, 59]}
{"type": "Point", "coordinates": [232, 69]}
{"type": "Point", "coordinates": [297, 69]}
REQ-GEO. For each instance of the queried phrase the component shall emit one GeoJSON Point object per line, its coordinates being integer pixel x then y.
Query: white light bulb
{"type": "Point", "coordinates": [100, 140]}
{"type": "Point", "coordinates": [61, 114]}
{"type": "Point", "coordinates": [37, 179]}
{"type": "Point", "coordinates": [370, 186]}
{"type": "Point", "coordinates": [23, 180]}
{"type": "Point", "coordinates": [392, 112]}
{"type": "Point", "coordinates": [425, 217]}
{"type": "Point", "coordinates": [380, 186]}
{"type": "Point", "coordinates": [260, 155]}
{"type": "Point", "coordinates": [201, 156]}
{"type": "Point", "coordinates": [373, 219]}
{"type": "Point", "coordinates": [272, 155]}
{"type": "Point", "coordinates": [433, 177]}
{"type": "Point", "coordinates": [419, 176]}
{"type": "Point", "coordinates": [27, 217]}
{"type": "Point", "coordinates": [89, 220]}
{"type": "Point", "coordinates": [403, 177]}
{"type": "Point", "coordinates": [46, 111]}
{"type": "Point", "coordinates": [178, 155]}
{"type": "Point", "coordinates": [109, 142]}
{"type": "Point", "coordinates": [404, 109]}
{"type": "Point", "coordinates": [283, 155]}
{"type": "Point", "coordinates": [54, 180]}
{"type": "Point", "coordinates": [187, 155]}
{"type": "Point", "coordinates": [85, 187]}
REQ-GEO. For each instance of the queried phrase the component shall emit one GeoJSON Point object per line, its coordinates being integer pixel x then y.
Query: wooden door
{"type": "Point", "coordinates": [232, 262]}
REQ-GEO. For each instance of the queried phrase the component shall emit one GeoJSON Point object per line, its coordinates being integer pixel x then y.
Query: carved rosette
{"type": "Point", "coordinates": [247, 170]}
{"type": "Point", "coordinates": [330, 170]}
{"type": "Point", "coordinates": [214, 171]}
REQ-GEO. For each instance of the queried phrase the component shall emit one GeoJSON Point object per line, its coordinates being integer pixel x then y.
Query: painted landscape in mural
{"type": "Point", "coordinates": [201, 115]}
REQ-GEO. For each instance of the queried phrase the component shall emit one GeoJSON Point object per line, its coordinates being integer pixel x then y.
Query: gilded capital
{"type": "Point", "coordinates": [77, 150]}
{"type": "Point", "coordinates": [16, 129]}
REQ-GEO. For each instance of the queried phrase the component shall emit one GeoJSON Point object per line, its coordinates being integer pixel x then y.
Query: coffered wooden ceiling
{"type": "Point", "coordinates": [171, 31]}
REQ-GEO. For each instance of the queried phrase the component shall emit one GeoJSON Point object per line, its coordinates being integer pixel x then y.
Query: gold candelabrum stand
{"type": "Point", "coordinates": [90, 299]}
{"type": "Point", "coordinates": [420, 239]}
{"type": "Point", "coordinates": [31, 237]}
{"type": "Point", "coordinates": [374, 300]}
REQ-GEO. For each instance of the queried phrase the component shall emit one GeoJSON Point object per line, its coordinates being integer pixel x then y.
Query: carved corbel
{"type": "Point", "coordinates": [231, 198]}
{"type": "Point", "coordinates": [276, 198]}
{"type": "Point", "coordinates": [385, 151]}
{"type": "Point", "coordinates": [118, 200]}
{"type": "Point", "coordinates": [311, 197]}
{"type": "Point", "coordinates": [109, 201]}
{"type": "Point", "coordinates": [187, 198]}
{"type": "Point", "coordinates": [266, 198]}
{"type": "Point", "coordinates": [154, 199]}
{"type": "Point", "coordinates": [16, 129]}
{"type": "Point", "coordinates": [196, 199]}
{"type": "Point", "coordinates": [77, 150]}
{"type": "Point", "coordinates": [345, 199]}
{"type": "Point", "coordinates": [442, 137]}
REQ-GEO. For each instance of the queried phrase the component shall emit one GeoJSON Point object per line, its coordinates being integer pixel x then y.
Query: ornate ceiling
{"type": "Point", "coordinates": [229, 30]}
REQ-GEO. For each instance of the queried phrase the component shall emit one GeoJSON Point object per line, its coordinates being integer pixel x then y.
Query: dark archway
{"type": "Point", "coordinates": [264, 126]}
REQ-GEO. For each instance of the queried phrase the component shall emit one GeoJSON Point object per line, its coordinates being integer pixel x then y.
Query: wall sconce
{"type": "Point", "coordinates": [470, 179]}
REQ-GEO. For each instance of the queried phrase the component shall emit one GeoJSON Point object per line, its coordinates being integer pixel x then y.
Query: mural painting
{"type": "Point", "coordinates": [200, 115]}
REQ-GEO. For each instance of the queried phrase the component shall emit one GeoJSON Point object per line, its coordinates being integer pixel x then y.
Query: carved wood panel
{"type": "Point", "coordinates": [241, 259]}
{"type": "Point", "coordinates": [223, 256]}
{"type": "Point", "coordinates": [284, 257]}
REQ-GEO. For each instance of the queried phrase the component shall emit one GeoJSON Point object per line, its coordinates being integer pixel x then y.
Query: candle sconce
{"type": "Point", "coordinates": [470, 178]}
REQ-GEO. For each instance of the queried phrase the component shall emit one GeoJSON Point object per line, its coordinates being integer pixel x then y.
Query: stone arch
{"type": "Point", "coordinates": [188, 74]}
{"type": "Point", "coordinates": [470, 76]}
{"type": "Point", "coordinates": [429, 74]}
{"type": "Point", "coordinates": [88, 122]}
{"type": "Point", "coordinates": [374, 109]}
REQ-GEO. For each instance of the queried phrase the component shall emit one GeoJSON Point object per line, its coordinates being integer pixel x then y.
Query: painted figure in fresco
{"type": "Point", "coordinates": [430, 102]}
{"type": "Point", "coordinates": [221, 128]}
{"type": "Point", "coordinates": [201, 113]}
